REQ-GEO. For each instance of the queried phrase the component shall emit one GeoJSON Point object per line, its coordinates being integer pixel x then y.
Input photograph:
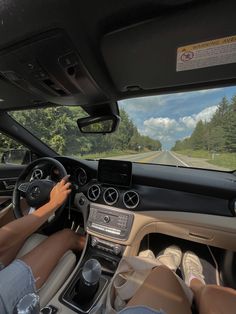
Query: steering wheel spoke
{"type": "Point", "coordinates": [31, 210]}
{"type": "Point", "coordinates": [50, 218]}
{"type": "Point", "coordinates": [23, 187]}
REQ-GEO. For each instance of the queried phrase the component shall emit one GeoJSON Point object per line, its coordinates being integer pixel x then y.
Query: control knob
{"type": "Point", "coordinates": [94, 242]}
{"type": "Point", "coordinates": [117, 249]}
{"type": "Point", "coordinates": [106, 219]}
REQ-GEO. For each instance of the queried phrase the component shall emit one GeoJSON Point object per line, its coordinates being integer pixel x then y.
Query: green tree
{"type": "Point", "coordinates": [230, 128]}
{"type": "Point", "coordinates": [198, 137]}
{"type": "Point", "coordinates": [57, 127]}
{"type": "Point", "coordinates": [219, 134]}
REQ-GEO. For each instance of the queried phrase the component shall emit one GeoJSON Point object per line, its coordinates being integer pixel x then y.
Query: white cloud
{"type": "Point", "coordinates": [160, 128]}
{"type": "Point", "coordinates": [141, 104]}
{"type": "Point", "coordinates": [204, 115]}
{"type": "Point", "coordinates": [166, 129]}
{"type": "Point", "coordinates": [188, 121]}
{"type": "Point", "coordinates": [165, 123]}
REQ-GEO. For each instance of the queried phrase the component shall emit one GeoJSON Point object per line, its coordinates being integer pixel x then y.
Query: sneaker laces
{"type": "Point", "coordinates": [195, 270]}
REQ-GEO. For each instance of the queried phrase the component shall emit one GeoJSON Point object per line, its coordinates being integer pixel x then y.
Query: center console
{"type": "Point", "coordinates": [81, 295]}
{"type": "Point", "coordinates": [107, 227]}
{"type": "Point", "coordinates": [109, 221]}
{"type": "Point", "coordinates": [114, 223]}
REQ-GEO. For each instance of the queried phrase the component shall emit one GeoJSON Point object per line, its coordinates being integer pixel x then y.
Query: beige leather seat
{"type": "Point", "coordinates": [58, 275]}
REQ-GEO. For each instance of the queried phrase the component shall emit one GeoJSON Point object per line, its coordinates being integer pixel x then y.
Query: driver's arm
{"type": "Point", "coordinates": [13, 235]}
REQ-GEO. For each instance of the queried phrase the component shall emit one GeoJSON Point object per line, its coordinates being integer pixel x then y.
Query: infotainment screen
{"type": "Point", "coordinates": [115, 172]}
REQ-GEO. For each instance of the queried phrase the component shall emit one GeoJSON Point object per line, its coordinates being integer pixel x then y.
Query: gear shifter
{"type": "Point", "coordinates": [89, 281]}
{"type": "Point", "coordinates": [87, 287]}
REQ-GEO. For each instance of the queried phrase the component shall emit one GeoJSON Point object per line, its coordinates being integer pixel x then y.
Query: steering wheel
{"type": "Point", "coordinates": [36, 192]}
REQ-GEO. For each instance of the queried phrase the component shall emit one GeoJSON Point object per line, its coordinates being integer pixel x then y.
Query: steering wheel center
{"type": "Point", "coordinates": [34, 193]}
{"type": "Point", "coordinates": [38, 192]}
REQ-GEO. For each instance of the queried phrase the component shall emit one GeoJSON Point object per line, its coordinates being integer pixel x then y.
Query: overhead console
{"type": "Point", "coordinates": [49, 68]}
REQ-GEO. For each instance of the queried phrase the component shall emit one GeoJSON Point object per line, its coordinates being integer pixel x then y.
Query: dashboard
{"type": "Point", "coordinates": [193, 204]}
{"type": "Point", "coordinates": [151, 187]}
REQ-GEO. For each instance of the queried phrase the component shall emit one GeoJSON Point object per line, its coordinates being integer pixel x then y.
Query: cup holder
{"type": "Point", "coordinates": [76, 299]}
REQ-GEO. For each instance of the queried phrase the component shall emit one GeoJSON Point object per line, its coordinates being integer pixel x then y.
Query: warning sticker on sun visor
{"type": "Point", "coordinates": [206, 54]}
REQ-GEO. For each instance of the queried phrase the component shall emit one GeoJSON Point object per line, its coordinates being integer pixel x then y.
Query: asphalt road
{"type": "Point", "coordinates": [165, 157]}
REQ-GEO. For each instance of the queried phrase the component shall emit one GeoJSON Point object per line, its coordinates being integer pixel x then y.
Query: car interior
{"type": "Point", "coordinates": [93, 54]}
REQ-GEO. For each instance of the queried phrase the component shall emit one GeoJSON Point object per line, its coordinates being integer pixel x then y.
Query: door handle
{"type": "Point", "coordinates": [8, 186]}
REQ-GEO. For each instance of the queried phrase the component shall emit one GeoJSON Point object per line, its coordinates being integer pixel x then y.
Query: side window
{"type": "Point", "coordinates": [12, 152]}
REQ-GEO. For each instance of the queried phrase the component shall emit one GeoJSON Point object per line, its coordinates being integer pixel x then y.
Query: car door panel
{"type": "Point", "coordinates": [8, 176]}
{"type": "Point", "coordinates": [6, 212]}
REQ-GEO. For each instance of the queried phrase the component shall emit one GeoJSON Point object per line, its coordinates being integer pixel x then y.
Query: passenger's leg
{"type": "Point", "coordinates": [43, 258]}
{"type": "Point", "coordinates": [210, 299]}
{"type": "Point", "coordinates": [162, 290]}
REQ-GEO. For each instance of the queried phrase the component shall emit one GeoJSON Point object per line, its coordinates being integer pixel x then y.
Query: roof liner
{"type": "Point", "coordinates": [44, 31]}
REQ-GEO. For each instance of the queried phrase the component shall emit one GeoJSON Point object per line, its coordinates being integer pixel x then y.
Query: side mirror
{"type": "Point", "coordinates": [98, 124]}
{"type": "Point", "coordinates": [16, 156]}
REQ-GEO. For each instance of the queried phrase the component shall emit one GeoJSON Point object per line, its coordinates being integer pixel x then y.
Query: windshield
{"type": "Point", "coordinates": [189, 129]}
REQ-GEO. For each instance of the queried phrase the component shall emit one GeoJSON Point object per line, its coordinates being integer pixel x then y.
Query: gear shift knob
{"type": "Point", "coordinates": [89, 281]}
{"type": "Point", "coordinates": [91, 272]}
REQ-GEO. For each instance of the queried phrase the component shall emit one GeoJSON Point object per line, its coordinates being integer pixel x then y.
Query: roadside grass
{"type": "Point", "coordinates": [226, 160]}
{"type": "Point", "coordinates": [195, 153]}
{"type": "Point", "coordinates": [112, 153]}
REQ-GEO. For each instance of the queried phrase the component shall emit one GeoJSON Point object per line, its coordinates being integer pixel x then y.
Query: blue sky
{"type": "Point", "coordinates": [172, 117]}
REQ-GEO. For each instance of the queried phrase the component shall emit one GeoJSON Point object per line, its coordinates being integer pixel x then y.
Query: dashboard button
{"type": "Point", "coordinates": [106, 219]}
{"type": "Point", "coordinates": [117, 249]}
{"type": "Point", "coordinates": [81, 201]}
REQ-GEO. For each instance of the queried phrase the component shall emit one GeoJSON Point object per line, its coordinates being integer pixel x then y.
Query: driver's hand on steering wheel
{"type": "Point", "coordinates": [59, 193]}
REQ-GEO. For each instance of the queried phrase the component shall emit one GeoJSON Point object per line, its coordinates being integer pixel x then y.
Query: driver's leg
{"type": "Point", "coordinates": [14, 234]}
{"type": "Point", "coordinates": [43, 258]}
{"type": "Point", "coordinates": [9, 255]}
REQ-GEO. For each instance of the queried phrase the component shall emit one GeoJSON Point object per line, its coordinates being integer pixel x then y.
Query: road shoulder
{"type": "Point", "coordinates": [197, 162]}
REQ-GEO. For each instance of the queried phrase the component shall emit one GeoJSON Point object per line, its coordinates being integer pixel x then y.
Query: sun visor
{"type": "Point", "coordinates": [190, 46]}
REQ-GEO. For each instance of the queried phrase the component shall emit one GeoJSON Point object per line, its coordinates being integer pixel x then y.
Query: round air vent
{"type": "Point", "coordinates": [94, 192]}
{"type": "Point", "coordinates": [110, 196]}
{"type": "Point", "coordinates": [131, 199]}
{"type": "Point", "coordinates": [37, 174]}
{"type": "Point", "coordinates": [81, 176]}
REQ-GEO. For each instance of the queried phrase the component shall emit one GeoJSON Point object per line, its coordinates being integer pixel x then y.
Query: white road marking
{"type": "Point", "coordinates": [182, 162]}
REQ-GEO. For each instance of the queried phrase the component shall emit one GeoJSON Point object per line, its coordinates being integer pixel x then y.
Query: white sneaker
{"type": "Point", "coordinates": [192, 268]}
{"type": "Point", "coordinates": [147, 254]}
{"type": "Point", "coordinates": [171, 257]}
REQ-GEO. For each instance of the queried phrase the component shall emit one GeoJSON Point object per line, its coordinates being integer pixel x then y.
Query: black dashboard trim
{"type": "Point", "coordinates": [171, 188]}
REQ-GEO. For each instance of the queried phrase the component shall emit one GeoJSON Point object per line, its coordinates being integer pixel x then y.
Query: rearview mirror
{"type": "Point", "coordinates": [98, 124]}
